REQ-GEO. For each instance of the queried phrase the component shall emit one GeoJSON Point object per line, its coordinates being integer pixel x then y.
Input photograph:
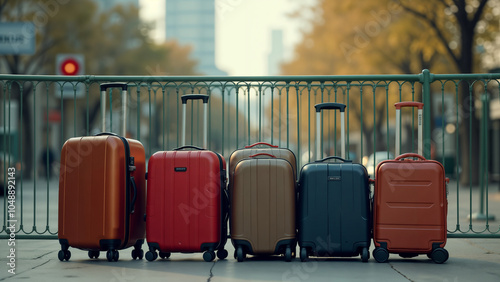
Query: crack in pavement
{"type": "Point", "coordinates": [19, 273]}
{"type": "Point", "coordinates": [400, 273]}
{"type": "Point", "coordinates": [211, 273]}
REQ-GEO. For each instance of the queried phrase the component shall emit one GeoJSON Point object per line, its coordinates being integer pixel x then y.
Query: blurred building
{"type": "Point", "coordinates": [192, 22]}
{"type": "Point", "coordinates": [275, 57]}
{"type": "Point", "coordinates": [108, 4]}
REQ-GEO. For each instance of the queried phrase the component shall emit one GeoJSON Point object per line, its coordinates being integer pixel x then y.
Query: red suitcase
{"type": "Point", "coordinates": [102, 193]}
{"type": "Point", "coordinates": [187, 199]}
{"type": "Point", "coordinates": [410, 205]}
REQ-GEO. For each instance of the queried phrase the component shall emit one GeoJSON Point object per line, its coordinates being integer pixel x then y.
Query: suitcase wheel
{"type": "Point", "coordinates": [288, 254]}
{"type": "Point", "coordinates": [380, 254]}
{"type": "Point", "coordinates": [209, 256]}
{"type": "Point", "coordinates": [64, 255]}
{"type": "Point", "coordinates": [151, 255]}
{"type": "Point", "coordinates": [439, 255]}
{"type": "Point", "coordinates": [164, 255]}
{"type": "Point", "coordinates": [304, 256]}
{"type": "Point", "coordinates": [112, 255]}
{"type": "Point", "coordinates": [94, 254]}
{"type": "Point", "coordinates": [365, 255]}
{"type": "Point", "coordinates": [222, 254]}
{"type": "Point", "coordinates": [240, 254]}
{"type": "Point", "coordinates": [137, 254]}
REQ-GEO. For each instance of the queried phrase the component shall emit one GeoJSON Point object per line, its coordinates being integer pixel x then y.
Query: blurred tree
{"type": "Point", "coordinates": [387, 36]}
{"type": "Point", "coordinates": [114, 43]}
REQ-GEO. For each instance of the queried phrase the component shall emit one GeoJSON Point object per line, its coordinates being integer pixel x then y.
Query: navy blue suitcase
{"type": "Point", "coordinates": [334, 204]}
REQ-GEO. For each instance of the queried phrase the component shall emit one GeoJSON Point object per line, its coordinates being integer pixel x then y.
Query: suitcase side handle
{"type": "Point", "coordinates": [134, 198]}
{"type": "Point", "coordinates": [410, 155]}
{"type": "Point", "coordinates": [334, 157]}
{"type": "Point", "coordinates": [189, 147]}
{"type": "Point", "coordinates": [261, 143]}
{"type": "Point", "coordinates": [262, 154]}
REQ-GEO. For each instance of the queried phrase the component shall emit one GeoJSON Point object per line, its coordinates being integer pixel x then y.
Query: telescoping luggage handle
{"type": "Point", "coordinates": [420, 107]}
{"type": "Point", "coordinates": [184, 99]}
{"type": "Point", "coordinates": [124, 87]}
{"type": "Point", "coordinates": [329, 106]}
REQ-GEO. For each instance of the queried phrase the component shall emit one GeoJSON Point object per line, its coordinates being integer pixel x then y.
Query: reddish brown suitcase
{"type": "Point", "coordinates": [410, 205]}
{"type": "Point", "coordinates": [102, 194]}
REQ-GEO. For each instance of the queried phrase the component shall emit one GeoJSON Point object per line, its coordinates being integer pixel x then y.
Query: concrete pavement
{"type": "Point", "coordinates": [470, 260]}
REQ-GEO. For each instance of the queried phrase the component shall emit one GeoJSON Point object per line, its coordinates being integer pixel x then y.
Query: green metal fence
{"type": "Point", "coordinates": [461, 130]}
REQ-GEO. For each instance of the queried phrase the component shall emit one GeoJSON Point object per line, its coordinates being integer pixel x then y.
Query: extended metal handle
{"type": "Point", "coordinates": [420, 107]}
{"type": "Point", "coordinates": [124, 87]}
{"type": "Point", "coordinates": [329, 106]}
{"type": "Point", "coordinates": [184, 99]}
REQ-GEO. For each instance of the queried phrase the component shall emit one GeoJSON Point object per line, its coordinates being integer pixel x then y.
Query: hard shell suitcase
{"type": "Point", "coordinates": [260, 147]}
{"type": "Point", "coordinates": [410, 205]}
{"type": "Point", "coordinates": [187, 199]}
{"type": "Point", "coordinates": [102, 193]}
{"type": "Point", "coordinates": [263, 199]}
{"type": "Point", "coordinates": [334, 203]}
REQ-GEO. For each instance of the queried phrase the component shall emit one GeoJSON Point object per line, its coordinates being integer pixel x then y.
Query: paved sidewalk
{"type": "Point", "coordinates": [470, 260]}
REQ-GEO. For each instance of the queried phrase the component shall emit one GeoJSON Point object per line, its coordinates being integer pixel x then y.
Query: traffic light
{"type": "Point", "coordinates": [70, 64]}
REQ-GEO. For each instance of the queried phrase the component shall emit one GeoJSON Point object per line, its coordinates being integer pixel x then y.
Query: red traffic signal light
{"type": "Point", "coordinates": [69, 66]}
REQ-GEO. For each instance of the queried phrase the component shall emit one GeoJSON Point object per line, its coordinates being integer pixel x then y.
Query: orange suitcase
{"type": "Point", "coordinates": [102, 194]}
{"type": "Point", "coordinates": [410, 205]}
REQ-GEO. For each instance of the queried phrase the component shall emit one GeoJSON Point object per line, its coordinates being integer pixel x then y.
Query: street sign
{"type": "Point", "coordinates": [17, 38]}
{"type": "Point", "coordinates": [70, 65]}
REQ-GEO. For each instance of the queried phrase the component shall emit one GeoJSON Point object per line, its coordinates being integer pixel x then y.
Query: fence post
{"type": "Point", "coordinates": [426, 80]}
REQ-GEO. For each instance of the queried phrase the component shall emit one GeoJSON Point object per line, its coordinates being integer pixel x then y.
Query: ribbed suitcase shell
{"type": "Point", "coordinates": [93, 194]}
{"type": "Point", "coordinates": [334, 210]}
{"type": "Point", "coordinates": [263, 206]}
{"type": "Point", "coordinates": [185, 203]}
{"type": "Point", "coordinates": [410, 206]}
{"type": "Point", "coordinates": [244, 153]}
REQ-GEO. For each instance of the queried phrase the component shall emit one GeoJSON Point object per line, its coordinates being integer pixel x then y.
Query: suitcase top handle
{"type": "Point", "coordinates": [262, 154]}
{"type": "Point", "coordinates": [410, 155]}
{"type": "Point", "coordinates": [203, 97]}
{"type": "Point", "coordinates": [409, 104]}
{"type": "Point", "coordinates": [261, 143]}
{"type": "Point", "coordinates": [333, 157]}
{"type": "Point", "coordinates": [189, 147]}
{"type": "Point", "coordinates": [330, 106]}
{"type": "Point", "coordinates": [121, 85]}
